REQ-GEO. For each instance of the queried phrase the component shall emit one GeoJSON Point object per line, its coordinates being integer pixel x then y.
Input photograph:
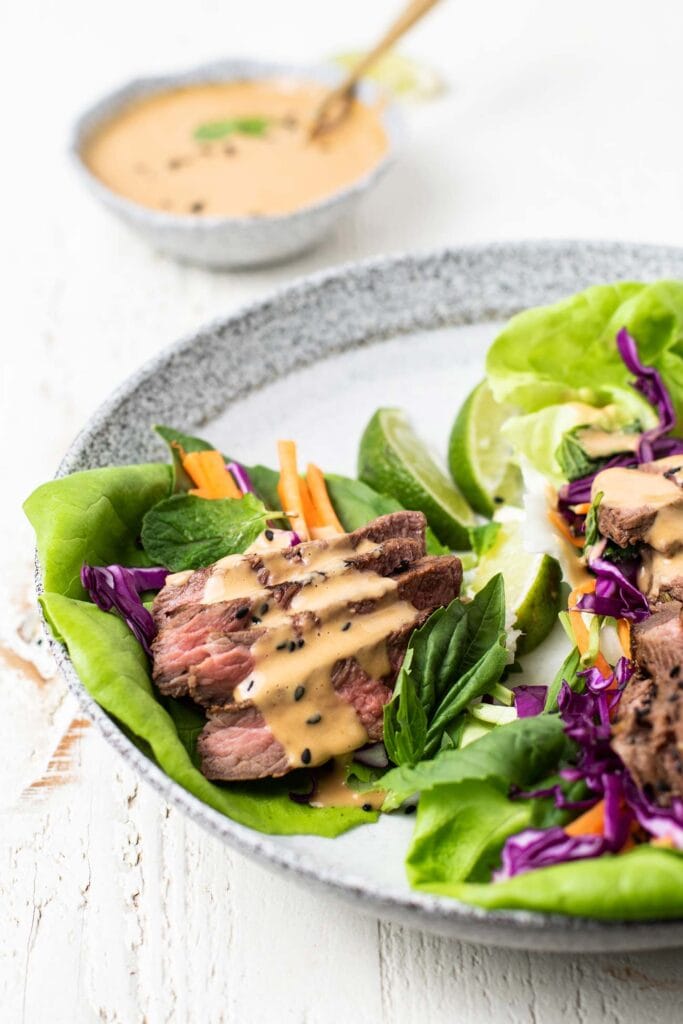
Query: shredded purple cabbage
{"type": "Point", "coordinates": [662, 822]}
{"type": "Point", "coordinates": [542, 848]}
{"type": "Point", "coordinates": [241, 477]}
{"type": "Point", "coordinates": [653, 444]}
{"type": "Point", "coordinates": [650, 385]}
{"type": "Point", "coordinates": [530, 700]}
{"type": "Point", "coordinates": [117, 588]}
{"type": "Point", "coordinates": [614, 594]}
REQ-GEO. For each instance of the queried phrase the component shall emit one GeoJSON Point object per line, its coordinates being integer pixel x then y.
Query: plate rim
{"type": "Point", "coordinates": [508, 928]}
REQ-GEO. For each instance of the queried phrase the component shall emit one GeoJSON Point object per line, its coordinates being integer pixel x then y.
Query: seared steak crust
{"type": "Point", "coordinates": [648, 732]}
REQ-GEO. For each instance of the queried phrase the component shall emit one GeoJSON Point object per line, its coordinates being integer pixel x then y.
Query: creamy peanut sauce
{"type": "Point", "coordinates": [598, 444]}
{"type": "Point", "coordinates": [291, 683]}
{"type": "Point", "coordinates": [332, 791]}
{"type": "Point", "coordinates": [149, 152]}
{"type": "Point", "coordinates": [658, 572]}
{"type": "Point", "coordinates": [631, 488]}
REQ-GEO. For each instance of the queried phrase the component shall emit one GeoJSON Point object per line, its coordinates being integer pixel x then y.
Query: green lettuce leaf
{"type": "Point", "coordinates": [644, 883]}
{"type": "Point", "coordinates": [567, 351]}
{"type": "Point", "coordinates": [459, 833]}
{"type": "Point", "coordinates": [96, 516]}
{"type": "Point", "coordinates": [93, 517]}
{"type": "Point", "coordinates": [188, 532]}
{"type": "Point", "coordinates": [115, 671]}
{"type": "Point", "coordinates": [560, 365]}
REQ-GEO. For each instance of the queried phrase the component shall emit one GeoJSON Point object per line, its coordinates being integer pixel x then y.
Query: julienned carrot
{"type": "Point", "coordinates": [591, 822]}
{"type": "Point", "coordinates": [311, 516]}
{"type": "Point", "coordinates": [207, 470]}
{"type": "Point", "coordinates": [580, 630]}
{"type": "Point", "coordinates": [582, 509]}
{"type": "Point", "coordinates": [289, 490]}
{"type": "Point", "coordinates": [321, 499]}
{"type": "Point", "coordinates": [560, 525]}
{"type": "Point", "coordinates": [624, 634]}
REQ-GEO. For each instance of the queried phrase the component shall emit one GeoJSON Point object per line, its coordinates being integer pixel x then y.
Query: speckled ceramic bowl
{"type": "Point", "coordinates": [313, 362]}
{"type": "Point", "coordinates": [230, 242]}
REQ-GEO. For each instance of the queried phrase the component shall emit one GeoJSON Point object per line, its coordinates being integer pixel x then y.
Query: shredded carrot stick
{"type": "Point", "coordinates": [207, 470]}
{"type": "Point", "coordinates": [579, 628]}
{"type": "Point", "coordinates": [289, 490]}
{"type": "Point", "coordinates": [624, 634]}
{"type": "Point", "coordinates": [313, 519]}
{"type": "Point", "coordinates": [591, 822]}
{"type": "Point", "coordinates": [321, 499]}
{"type": "Point", "coordinates": [560, 525]}
{"type": "Point", "coordinates": [582, 509]}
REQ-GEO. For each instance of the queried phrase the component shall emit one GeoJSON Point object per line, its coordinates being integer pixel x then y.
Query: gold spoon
{"type": "Point", "coordinates": [335, 105]}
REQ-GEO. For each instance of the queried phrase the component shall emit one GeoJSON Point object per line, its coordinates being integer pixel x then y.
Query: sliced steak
{"type": "Point", "coordinates": [661, 578]}
{"type": "Point", "coordinates": [306, 599]}
{"type": "Point", "coordinates": [632, 501]}
{"type": "Point", "coordinates": [211, 678]}
{"type": "Point", "coordinates": [648, 732]}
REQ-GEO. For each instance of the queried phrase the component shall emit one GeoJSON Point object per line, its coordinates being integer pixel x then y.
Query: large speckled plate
{"type": "Point", "coordinates": [313, 362]}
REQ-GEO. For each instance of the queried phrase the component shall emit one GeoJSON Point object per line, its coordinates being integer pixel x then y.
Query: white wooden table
{"type": "Point", "coordinates": [559, 121]}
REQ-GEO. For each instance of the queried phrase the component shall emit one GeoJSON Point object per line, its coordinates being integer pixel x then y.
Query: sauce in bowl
{"type": "Point", "coordinates": [236, 149]}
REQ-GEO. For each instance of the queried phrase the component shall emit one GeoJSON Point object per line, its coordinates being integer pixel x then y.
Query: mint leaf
{"type": "Point", "coordinates": [187, 532]}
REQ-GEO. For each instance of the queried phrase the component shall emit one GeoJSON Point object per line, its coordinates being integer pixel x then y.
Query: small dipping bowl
{"type": "Point", "coordinates": [226, 242]}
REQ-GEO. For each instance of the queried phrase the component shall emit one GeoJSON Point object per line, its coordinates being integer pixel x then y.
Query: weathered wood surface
{"type": "Point", "coordinates": [113, 907]}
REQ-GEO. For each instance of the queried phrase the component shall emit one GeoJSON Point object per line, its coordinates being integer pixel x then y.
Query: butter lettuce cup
{"type": "Point", "coordinates": [235, 184]}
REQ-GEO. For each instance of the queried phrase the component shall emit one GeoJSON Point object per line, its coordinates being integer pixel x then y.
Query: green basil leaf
{"type": "Point", "coordinates": [477, 681]}
{"type": "Point", "coordinates": [187, 532]}
{"type": "Point", "coordinates": [405, 721]}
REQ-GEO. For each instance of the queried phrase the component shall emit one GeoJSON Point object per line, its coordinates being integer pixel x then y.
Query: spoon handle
{"type": "Point", "coordinates": [340, 96]}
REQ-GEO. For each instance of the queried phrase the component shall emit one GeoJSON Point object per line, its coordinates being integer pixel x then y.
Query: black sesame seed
{"type": "Point", "coordinates": [367, 807]}
{"type": "Point", "coordinates": [347, 626]}
{"type": "Point", "coordinates": [314, 719]}
{"type": "Point", "coordinates": [498, 500]}
{"type": "Point", "coordinates": [299, 692]}
{"type": "Point", "coordinates": [255, 619]}
{"type": "Point", "coordinates": [306, 756]}
{"type": "Point", "coordinates": [241, 612]}
{"type": "Point", "coordinates": [300, 643]}
{"type": "Point", "coordinates": [263, 609]}
{"type": "Point", "coordinates": [291, 646]}
{"type": "Point", "coordinates": [251, 685]}
{"type": "Point", "coordinates": [269, 534]}
{"type": "Point", "coordinates": [281, 647]}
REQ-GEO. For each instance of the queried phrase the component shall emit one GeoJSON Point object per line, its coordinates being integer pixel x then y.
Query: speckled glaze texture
{"type": "Point", "coordinates": [230, 242]}
{"type": "Point", "coordinates": [328, 313]}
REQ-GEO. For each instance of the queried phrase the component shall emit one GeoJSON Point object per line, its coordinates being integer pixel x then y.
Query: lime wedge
{"type": "Point", "coordinates": [532, 584]}
{"type": "Point", "coordinates": [394, 461]}
{"type": "Point", "coordinates": [402, 76]}
{"type": "Point", "coordinates": [479, 460]}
